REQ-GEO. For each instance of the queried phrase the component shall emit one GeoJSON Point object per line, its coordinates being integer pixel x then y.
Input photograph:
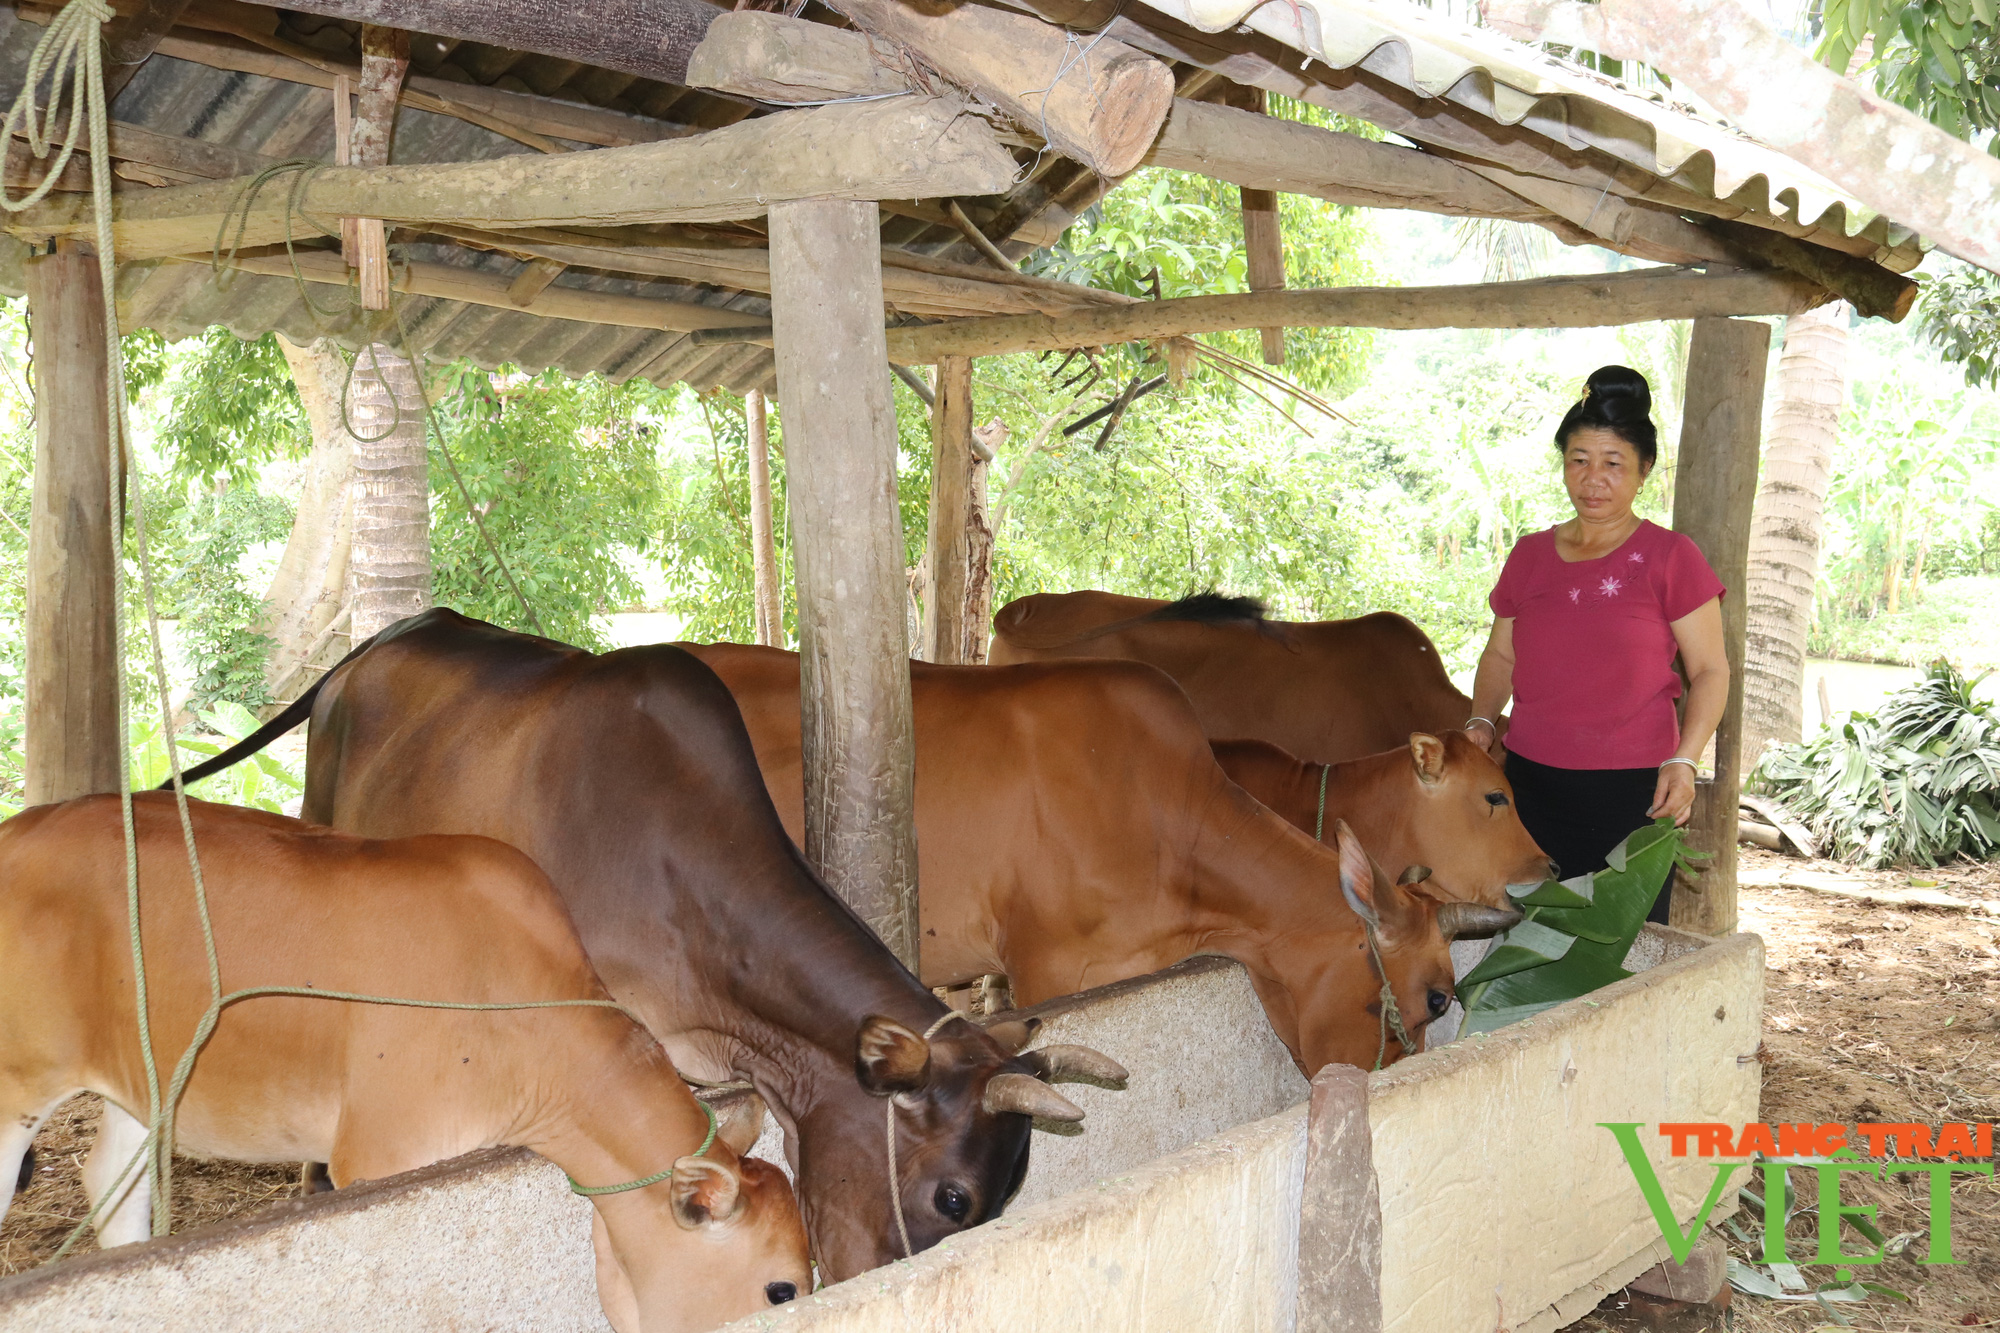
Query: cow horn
{"type": "Point", "coordinates": [1068, 1064]}
{"type": "Point", "coordinates": [1024, 1094]}
{"type": "Point", "coordinates": [1475, 921]}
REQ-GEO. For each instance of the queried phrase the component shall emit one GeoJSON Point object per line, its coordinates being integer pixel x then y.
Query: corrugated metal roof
{"type": "Point", "coordinates": [1513, 84]}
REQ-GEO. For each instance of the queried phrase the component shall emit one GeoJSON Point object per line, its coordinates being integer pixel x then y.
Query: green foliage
{"type": "Point", "coordinates": [1916, 473]}
{"type": "Point", "coordinates": [1185, 233]}
{"type": "Point", "coordinates": [207, 589]}
{"type": "Point", "coordinates": [230, 405]}
{"type": "Point", "coordinates": [1915, 783]}
{"type": "Point", "coordinates": [1962, 612]}
{"type": "Point", "coordinates": [262, 782]}
{"type": "Point", "coordinates": [1959, 315]}
{"type": "Point", "coordinates": [1938, 58]}
{"type": "Point", "coordinates": [1576, 933]}
{"type": "Point", "coordinates": [562, 473]}
{"type": "Point", "coordinates": [705, 521]}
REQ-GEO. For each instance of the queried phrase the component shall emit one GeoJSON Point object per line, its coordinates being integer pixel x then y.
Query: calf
{"type": "Point", "coordinates": [1439, 802]}
{"type": "Point", "coordinates": [1074, 829]}
{"type": "Point", "coordinates": [369, 1089]}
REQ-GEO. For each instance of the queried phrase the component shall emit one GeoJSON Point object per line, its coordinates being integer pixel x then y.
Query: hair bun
{"type": "Point", "coordinates": [1620, 392]}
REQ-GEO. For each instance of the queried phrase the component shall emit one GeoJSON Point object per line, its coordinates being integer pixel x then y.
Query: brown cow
{"type": "Point", "coordinates": [628, 778]}
{"type": "Point", "coordinates": [1439, 801]}
{"type": "Point", "coordinates": [1073, 829]}
{"type": "Point", "coordinates": [1325, 691]}
{"type": "Point", "coordinates": [371, 1089]}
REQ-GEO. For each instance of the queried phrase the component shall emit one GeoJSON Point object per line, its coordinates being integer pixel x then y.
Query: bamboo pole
{"type": "Point", "coordinates": [763, 546]}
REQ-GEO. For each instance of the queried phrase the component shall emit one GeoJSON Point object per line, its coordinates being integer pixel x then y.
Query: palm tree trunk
{"type": "Point", "coordinates": [391, 565]}
{"type": "Point", "coordinates": [309, 590]}
{"type": "Point", "coordinates": [1785, 531]}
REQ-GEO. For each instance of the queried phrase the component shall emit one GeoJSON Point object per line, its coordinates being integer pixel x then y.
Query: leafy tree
{"type": "Point", "coordinates": [705, 519]}
{"type": "Point", "coordinates": [207, 590]}
{"type": "Point", "coordinates": [229, 406]}
{"type": "Point", "coordinates": [562, 474]}
{"type": "Point", "coordinates": [1960, 316]}
{"type": "Point", "coordinates": [1938, 58]}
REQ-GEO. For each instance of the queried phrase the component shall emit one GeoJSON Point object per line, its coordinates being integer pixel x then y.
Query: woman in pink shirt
{"type": "Point", "coordinates": [1587, 619]}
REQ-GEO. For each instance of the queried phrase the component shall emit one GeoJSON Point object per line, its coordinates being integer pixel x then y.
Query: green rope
{"type": "Point", "coordinates": [592, 1191]}
{"type": "Point", "coordinates": [1319, 824]}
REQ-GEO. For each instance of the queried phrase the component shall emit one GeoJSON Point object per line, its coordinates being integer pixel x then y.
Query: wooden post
{"type": "Point", "coordinates": [951, 512]}
{"type": "Point", "coordinates": [986, 441]}
{"type": "Point", "coordinates": [856, 727]}
{"type": "Point", "coordinates": [71, 729]}
{"type": "Point", "coordinates": [1263, 244]}
{"type": "Point", "coordinates": [1715, 489]}
{"type": "Point", "coordinates": [385, 58]}
{"type": "Point", "coordinates": [763, 547]}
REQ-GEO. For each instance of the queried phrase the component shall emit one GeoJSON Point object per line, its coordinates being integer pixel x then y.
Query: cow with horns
{"type": "Point", "coordinates": [628, 777]}
{"type": "Point", "coordinates": [689, 1233]}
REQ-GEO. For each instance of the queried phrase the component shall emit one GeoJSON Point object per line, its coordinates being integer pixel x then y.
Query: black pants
{"type": "Point", "coordinates": [1578, 815]}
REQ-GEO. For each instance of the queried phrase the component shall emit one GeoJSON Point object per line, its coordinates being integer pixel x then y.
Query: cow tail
{"type": "Point", "coordinates": [295, 712]}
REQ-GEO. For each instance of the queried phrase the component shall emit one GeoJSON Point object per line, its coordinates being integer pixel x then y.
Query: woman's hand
{"type": "Point", "coordinates": [1673, 794]}
{"type": "Point", "coordinates": [1482, 733]}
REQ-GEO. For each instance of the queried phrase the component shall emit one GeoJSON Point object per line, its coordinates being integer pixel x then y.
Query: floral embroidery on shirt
{"type": "Point", "coordinates": [1575, 596]}
{"type": "Point", "coordinates": [1636, 558]}
{"type": "Point", "coordinates": [1610, 587]}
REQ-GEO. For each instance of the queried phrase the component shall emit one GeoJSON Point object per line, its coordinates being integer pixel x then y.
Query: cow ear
{"type": "Point", "coordinates": [1357, 873]}
{"type": "Point", "coordinates": [704, 1192]}
{"type": "Point", "coordinates": [1427, 753]}
{"type": "Point", "coordinates": [1013, 1035]}
{"type": "Point", "coordinates": [889, 1058]}
{"type": "Point", "coordinates": [739, 1119]}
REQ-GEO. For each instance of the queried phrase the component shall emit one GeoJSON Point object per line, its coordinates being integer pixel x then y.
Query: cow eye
{"type": "Point", "coordinates": [1439, 1002]}
{"type": "Point", "coordinates": [777, 1293]}
{"type": "Point", "coordinates": [953, 1202]}
{"type": "Point", "coordinates": [1496, 799]}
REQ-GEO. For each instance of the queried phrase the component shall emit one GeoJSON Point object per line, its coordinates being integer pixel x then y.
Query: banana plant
{"type": "Point", "coordinates": [1574, 933]}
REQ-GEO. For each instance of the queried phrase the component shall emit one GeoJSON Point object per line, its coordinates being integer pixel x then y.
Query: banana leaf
{"type": "Point", "coordinates": [1504, 989]}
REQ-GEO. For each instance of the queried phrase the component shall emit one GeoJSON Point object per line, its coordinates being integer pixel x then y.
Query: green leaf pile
{"type": "Point", "coordinates": [1915, 783]}
{"type": "Point", "coordinates": [1575, 934]}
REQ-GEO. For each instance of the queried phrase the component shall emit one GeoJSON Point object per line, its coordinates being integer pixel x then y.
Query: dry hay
{"type": "Point", "coordinates": [1880, 1014]}
{"type": "Point", "coordinates": [54, 1202]}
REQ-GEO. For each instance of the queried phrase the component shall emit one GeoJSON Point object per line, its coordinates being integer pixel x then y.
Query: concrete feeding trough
{"type": "Point", "coordinates": [1459, 1188]}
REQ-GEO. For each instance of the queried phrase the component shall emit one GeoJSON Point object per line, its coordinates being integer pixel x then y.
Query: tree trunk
{"type": "Point", "coordinates": [770, 614]}
{"type": "Point", "coordinates": [1785, 534]}
{"type": "Point", "coordinates": [390, 566]}
{"type": "Point", "coordinates": [310, 588]}
{"type": "Point", "coordinates": [979, 548]}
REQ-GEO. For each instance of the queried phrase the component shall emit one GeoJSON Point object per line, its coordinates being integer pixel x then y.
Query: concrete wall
{"type": "Point", "coordinates": [491, 1241]}
{"type": "Point", "coordinates": [1203, 1241]}
{"type": "Point", "coordinates": [1503, 1202]}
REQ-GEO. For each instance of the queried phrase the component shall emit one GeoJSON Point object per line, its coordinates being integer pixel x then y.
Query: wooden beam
{"type": "Point", "coordinates": [856, 726]}
{"type": "Point", "coordinates": [1543, 303]}
{"type": "Point", "coordinates": [71, 725]}
{"type": "Point", "coordinates": [130, 41]}
{"type": "Point", "coordinates": [448, 282]}
{"type": "Point", "coordinates": [1715, 489]}
{"type": "Point", "coordinates": [950, 513]}
{"type": "Point", "coordinates": [867, 150]}
{"type": "Point", "coordinates": [1103, 111]}
{"type": "Point", "coordinates": [776, 58]}
{"type": "Point", "coordinates": [1263, 241]}
{"type": "Point", "coordinates": [1869, 288]}
{"type": "Point", "coordinates": [769, 602]}
{"type": "Point", "coordinates": [916, 284]}
{"type": "Point", "coordinates": [385, 59]}
{"type": "Point", "coordinates": [650, 38]}
{"type": "Point", "coordinates": [533, 279]}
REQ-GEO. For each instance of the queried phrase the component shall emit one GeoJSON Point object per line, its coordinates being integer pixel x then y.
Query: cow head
{"type": "Point", "coordinates": [1452, 809]}
{"type": "Point", "coordinates": [961, 1103]}
{"type": "Point", "coordinates": [1335, 997]}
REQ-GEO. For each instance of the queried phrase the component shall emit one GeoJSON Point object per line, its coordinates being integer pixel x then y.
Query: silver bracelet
{"type": "Point", "coordinates": [1689, 762]}
{"type": "Point", "coordinates": [1492, 726]}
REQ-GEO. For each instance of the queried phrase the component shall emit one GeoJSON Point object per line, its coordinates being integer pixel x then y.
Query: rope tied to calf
{"type": "Point", "coordinates": [591, 1191]}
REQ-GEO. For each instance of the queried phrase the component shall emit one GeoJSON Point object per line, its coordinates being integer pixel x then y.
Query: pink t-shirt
{"type": "Point", "coordinates": [1594, 680]}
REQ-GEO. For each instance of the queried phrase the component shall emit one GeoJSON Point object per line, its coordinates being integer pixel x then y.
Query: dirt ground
{"type": "Point", "coordinates": [1881, 1014]}
{"type": "Point", "coordinates": [1871, 1013]}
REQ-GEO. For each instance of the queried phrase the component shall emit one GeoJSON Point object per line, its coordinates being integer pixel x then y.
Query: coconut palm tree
{"type": "Point", "coordinates": [1785, 528]}
{"type": "Point", "coordinates": [390, 568]}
